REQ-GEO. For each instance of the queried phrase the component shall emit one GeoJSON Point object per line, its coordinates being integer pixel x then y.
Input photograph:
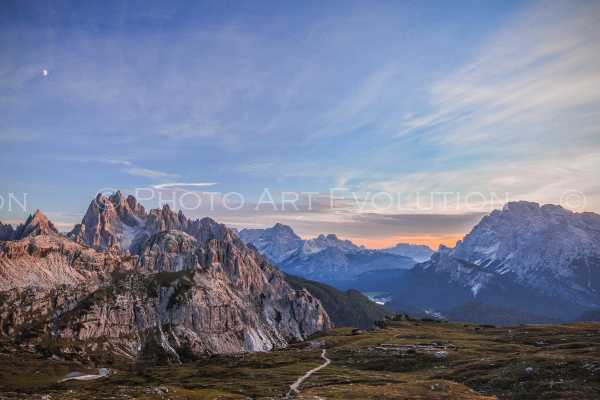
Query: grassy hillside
{"type": "Point", "coordinates": [349, 309]}
{"type": "Point", "coordinates": [404, 360]}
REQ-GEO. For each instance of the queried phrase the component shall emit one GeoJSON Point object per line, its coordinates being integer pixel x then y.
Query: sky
{"type": "Point", "coordinates": [385, 121]}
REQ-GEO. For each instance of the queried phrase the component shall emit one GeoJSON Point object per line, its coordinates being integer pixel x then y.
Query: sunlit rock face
{"type": "Point", "coordinates": [36, 224]}
{"type": "Point", "coordinates": [167, 294]}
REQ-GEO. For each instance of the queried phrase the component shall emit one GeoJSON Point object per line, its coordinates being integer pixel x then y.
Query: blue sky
{"type": "Point", "coordinates": [401, 97]}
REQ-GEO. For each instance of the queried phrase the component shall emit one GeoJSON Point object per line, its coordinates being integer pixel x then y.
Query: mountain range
{"type": "Point", "coordinates": [131, 284]}
{"type": "Point", "coordinates": [534, 263]}
{"type": "Point", "coordinates": [326, 258]}
{"type": "Point", "coordinates": [538, 263]}
{"type": "Point", "coordinates": [135, 284]}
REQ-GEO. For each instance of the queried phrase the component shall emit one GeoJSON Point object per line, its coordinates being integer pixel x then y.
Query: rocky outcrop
{"type": "Point", "coordinates": [110, 221]}
{"type": "Point", "coordinates": [35, 225]}
{"type": "Point", "coordinates": [48, 261]}
{"type": "Point", "coordinates": [193, 288]}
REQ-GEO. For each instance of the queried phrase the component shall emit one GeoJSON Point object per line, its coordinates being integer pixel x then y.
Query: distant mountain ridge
{"type": "Point", "coordinates": [325, 258]}
{"type": "Point", "coordinates": [418, 252]}
{"type": "Point", "coordinates": [541, 260]}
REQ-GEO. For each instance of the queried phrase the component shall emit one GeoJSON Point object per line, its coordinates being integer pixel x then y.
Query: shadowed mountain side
{"type": "Point", "coordinates": [349, 309]}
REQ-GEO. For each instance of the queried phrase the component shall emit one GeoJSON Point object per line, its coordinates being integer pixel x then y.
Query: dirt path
{"type": "Point", "coordinates": [295, 387]}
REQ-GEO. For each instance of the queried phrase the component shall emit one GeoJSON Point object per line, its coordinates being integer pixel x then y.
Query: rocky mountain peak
{"type": "Point", "coordinates": [123, 222]}
{"type": "Point", "coordinates": [35, 225]}
{"type": "Point", "coordinates": [136, 207]}
{"type": "Point", "coordinates": [104, 221]}
{"type": "Point", "coordinates": [165, 219]}
{"type": "Point", "coordinates": [278, 242]}
{"type": "Point", "coordinates": [548, 249]}
{"type": "Point", "coordinates": [520, 207]}
{"type": "Point", "coordinates": [323, 242]}
{"type": "Point", "coordinates": [417, 252]}
{"type": "Point", "coordinates": [282, 229]}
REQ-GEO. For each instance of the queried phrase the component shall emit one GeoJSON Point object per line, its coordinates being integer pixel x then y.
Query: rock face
{"type": "Point", "coordinates": [110, 221]}
{"type": "Point", "coordinates": [539, 259]}
{"type": "Point", "coordinates": [325, 258]}
{"type": "Point", "coordinates": [36, 224]}
{"type": "Point", "coordinates": [183, 288]}
{"type": "Point", "coordinates": [47, 261]}
{"type": "Point", "coordinates": [419, 253]}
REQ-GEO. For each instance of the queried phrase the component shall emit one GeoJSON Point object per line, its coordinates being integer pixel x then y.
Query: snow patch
{"type": "Point", "coordinates": [475, 289]}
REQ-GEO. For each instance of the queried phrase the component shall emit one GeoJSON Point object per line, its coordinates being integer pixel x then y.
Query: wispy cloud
{"type": "Point", "coordinates": [183, 185]}
{"type": "Point", "coordinates": [130, 168]}
{"type": "Point", "coordinates": [365, 106]}
{"type": "Point", "coordinates": [116, 162]}
{"type": "Point", "coordinates": [148, 173]}
{"type": "Point", "coordinates": [535, 80]}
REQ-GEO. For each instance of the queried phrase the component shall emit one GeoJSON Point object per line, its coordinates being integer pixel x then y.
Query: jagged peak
{"type": "Point", "coordinates": [527, 209]}
{"type": "Point", "coordinates": [520, 206]}
{"type": "Point", "coordinates": [100, 198]}
{"type": "Point", "coordinates": [445, 249]}
{"type": "Point", "coordinates": [282, 227]}
{"type": "Point", "coordinates": [208, 220]}
{"type": "Point", "coordinates": [39, 216]}
{"type": "Point", "coordinates": [35, 225]}
{"type": "Point", "coordinates": [117, 197]}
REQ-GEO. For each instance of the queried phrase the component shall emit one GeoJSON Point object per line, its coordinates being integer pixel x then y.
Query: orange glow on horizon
{"type": "Point", "coordinates": [432, 241]}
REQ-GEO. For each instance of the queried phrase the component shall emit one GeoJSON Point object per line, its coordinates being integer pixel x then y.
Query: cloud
{"type": "Point", "coordinates": [116, 162]}
{"type": "Point", "coordinates": [544, 180]}
{"type": "Point", "coordinates": [183, 184]}
{"type": "Point", "coordinates": [520, 118]}
{"type": "Point", "coordinates": [535, 80]}
{"type": "Point", "coordinates": [364, 106]}
{"type": "Point", "coordinates": [148, 173]}
{"type": "Point", "coordinates": [375, 227]}
{"type": "Point", "coordinates": [130, 168]}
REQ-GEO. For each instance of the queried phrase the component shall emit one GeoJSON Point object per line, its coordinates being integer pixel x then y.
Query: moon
{"type": "Point", "coordinates": [45, 72]}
